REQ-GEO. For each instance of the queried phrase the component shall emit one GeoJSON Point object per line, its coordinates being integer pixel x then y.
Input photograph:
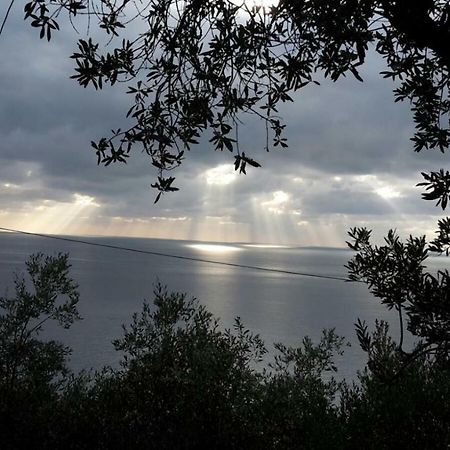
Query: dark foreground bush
{"type": "Point", "coordinates": [186, 383]}
{"type": "Point", "coordinates": [398, 402]}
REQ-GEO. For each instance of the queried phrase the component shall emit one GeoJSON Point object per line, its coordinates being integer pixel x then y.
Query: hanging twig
{"type": "Point", "coordinates": [6, 16]}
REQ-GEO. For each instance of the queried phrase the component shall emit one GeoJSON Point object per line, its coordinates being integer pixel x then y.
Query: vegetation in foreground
{"type": "Point", "coordinates": [186, 383]}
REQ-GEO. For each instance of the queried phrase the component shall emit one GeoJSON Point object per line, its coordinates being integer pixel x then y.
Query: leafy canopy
{"type": "Point", "coordinates": [396, 274]}
{"type": "Point", "coordinates": [53, 297]}
{"type": "Point", "coordinates": [201, 65]}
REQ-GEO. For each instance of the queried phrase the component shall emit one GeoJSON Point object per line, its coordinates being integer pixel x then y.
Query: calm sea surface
{"type": "Point", "coordinates": [280, 307]}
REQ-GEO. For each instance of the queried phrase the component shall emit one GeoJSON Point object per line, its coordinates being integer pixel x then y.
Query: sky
{"type": "Point", "coordinates": [349, 163]}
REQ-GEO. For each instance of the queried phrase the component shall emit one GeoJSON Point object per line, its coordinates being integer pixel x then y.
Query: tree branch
{"type": "Point", "coordinates": [412, 18]}
{"type": "Point", "coordinates": [6, 16]}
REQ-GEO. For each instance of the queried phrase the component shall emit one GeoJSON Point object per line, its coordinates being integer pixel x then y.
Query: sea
{"type": "Point", "coordinates": [280, 307]}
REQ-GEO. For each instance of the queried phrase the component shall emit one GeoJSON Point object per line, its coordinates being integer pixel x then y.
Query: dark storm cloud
{"type": "Point", "coordinates": [348, 127]}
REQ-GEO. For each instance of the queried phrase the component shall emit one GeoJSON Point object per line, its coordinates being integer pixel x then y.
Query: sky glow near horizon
{"type": "Point", "coordinates": [349, 162]}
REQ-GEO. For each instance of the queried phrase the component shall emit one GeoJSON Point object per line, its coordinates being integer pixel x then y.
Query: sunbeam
{"type": "Point", "coordinates": [58, 217]}
{"type": "Point", "coordinates": [216, 220]}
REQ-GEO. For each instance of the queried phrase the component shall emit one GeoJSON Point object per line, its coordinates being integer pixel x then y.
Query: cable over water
{"type": "Point", "coordinates": [186, 258]}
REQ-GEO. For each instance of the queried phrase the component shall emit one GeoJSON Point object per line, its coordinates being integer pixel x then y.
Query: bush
{"type": "Point", "coordinates": [397, 405]}
{"type": "Point", "coordinates": [32, 371]}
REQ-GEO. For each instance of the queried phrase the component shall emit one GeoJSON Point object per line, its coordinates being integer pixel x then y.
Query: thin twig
{"type": "Point", "coordinates": [6, 16]}
{"type": "Point", "coordinates": [400, 316]}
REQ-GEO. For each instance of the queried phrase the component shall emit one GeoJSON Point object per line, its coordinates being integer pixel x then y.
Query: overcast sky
{"type": "Point", "coordinates": [349, 163]}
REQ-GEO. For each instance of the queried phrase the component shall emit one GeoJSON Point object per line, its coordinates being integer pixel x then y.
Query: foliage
{"type": "Point", "coordinates": [399, 403]}
{"type": "Point", "coordinates": [32, 370]}
{"type": "Point", "coordinates": [185, 382]}
{"type": "Point", "coordinates": [179, 364]}
{"type": "Point", "coordinates": [298, 408]}
{"type": "Point", "coordinates": [54, 298]}
{"type": "Point", "coordinates": [203, 65]}
{"type": "Point", "coordinates": [199, 66]}
{"type": "Point", "coordinates": [395, 273]}
{"type": "Point", "coordinates": [409, 410]}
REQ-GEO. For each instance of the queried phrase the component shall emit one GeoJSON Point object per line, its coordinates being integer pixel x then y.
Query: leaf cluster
{"type": "Point", "coordinates": [438, 187]}
{"type": "Point", "coordinates": [396, 274]}
{"type": "Point", "coordinates": [32, 370]}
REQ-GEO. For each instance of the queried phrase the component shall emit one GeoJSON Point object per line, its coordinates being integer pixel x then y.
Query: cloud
{"type": "Point", "coordinates": [349, 161]}
{"type": "Point", "coordinates": [221, 175]}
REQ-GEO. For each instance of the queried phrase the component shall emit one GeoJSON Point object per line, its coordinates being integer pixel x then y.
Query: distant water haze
{"type": "Point", "coordinates": [280, 307]}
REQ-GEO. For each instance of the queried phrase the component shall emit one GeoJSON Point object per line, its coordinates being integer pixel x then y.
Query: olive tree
{"type": "Point", "coordinates": [32, 369]}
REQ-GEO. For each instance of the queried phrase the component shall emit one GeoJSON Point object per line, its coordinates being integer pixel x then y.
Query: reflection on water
{"type": "Point", "coordinates": [214, 248]}
{"type": "Point", "coordinates": [265, 246]}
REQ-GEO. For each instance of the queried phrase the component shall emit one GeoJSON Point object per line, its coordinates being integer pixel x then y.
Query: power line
{"type": "Point", "coordinates": [186, 258]}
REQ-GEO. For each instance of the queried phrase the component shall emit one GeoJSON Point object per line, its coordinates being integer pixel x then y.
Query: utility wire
{"type": "Point", "coordinates": [6, 16]}
{"type": "Point", "coordinates": [186, 258]}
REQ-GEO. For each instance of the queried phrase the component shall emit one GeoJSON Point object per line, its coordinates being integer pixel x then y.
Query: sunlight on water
{"type": "Point", "coordinates": [265, 246]}
{"type": "Point", "coordinates": [213, 248]}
